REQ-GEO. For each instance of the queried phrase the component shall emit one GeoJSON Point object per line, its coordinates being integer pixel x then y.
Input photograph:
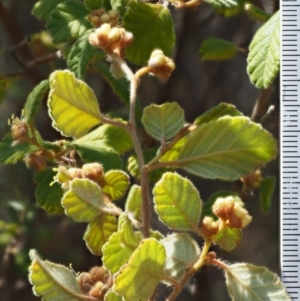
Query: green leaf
{"type": "Point", "coordinates": [223, 3]}
{"type": "Point", "coordinates": [99, 229]}
{"type": "Point", "coordinates": [255, 13]}
{"type": "Point", "coordinates": [227, 148]}
{"type": "Point", "coordinates": [267, 186]}
{"type": "Point", "coordinates": [228, 238]}
{"type": "Point", "coordinates": [12, 154]}
{"type": "Point", "coordinates": [134, 202]}
{"type": "Point", "coordinates": [163, 121]}
{"type": "Point", "coordinates": [222, 109]}
{"type": "Point", "coordinates": [83, 201]}
{"type": "Point", "coordinates": [34, 99]}
{"type": "Point", "coordinates": [182, 252]}
{"type": "Point", "coordinates": [112, 296]}
{"type": "Point", "coordinates": [254, 283]}
{"type": "Point", "coordinates": [264, 53]}
{"type": "Point", "coordinates": [155, 30]}
{"type": "Point", "coordinates": [115, 183]}
{"type": "Point", "coordinates": [120, 6]}
{"type": "Point", "coordinates": [72, 104]}
{"type": "Point", "coordinates": [110, 137]}
{"type": "Point", "coordinates": [53, 282]}
{"type": "Point", "coordinates": [217, 49]}
{"type": "Point", "coordinates": [42, 9]}
{"type": "Point", "coordinates": [121, 245]}
{"type": "Point", "coordinates": [145, 269]}
{"type": "Point", "coordinates": [177, 202]}
{"type": "Point", "coordinates": [68, 21]}
{"type": "Point", "coordinates": [173, 153]}
{"type": "Point", "coordinates": [48, 193]}
{"type": "Point", "coordinates": [90, 153]}
{"type": "Point", "coordinates": [93, 4]}
{"type": "Point", "coordinates": [80, 55]}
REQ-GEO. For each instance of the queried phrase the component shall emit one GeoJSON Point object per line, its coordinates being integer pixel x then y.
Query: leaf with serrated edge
{"type": "Point", "coordinates": [99, 229]}
{"type": "Point", "coordinates": [134, 201]}
{"type": "Point", "coordinates": [72, 104]}
{"type": "Point", "coordinates": [80, 55]}
{"type": "Point", "coordinates": [68, 21]}
{"type": "Point", "coordinates": [34, 99]}
{"type": "Point", "coordinates": [266, 189]}
{"type": "Point", "coordinates": [163, 121]}
{"type": "Point", "coordinates": [83, 201]}
{"type": "Point", "coordinates": [155, 30]}
{"type": "Point", "coordinates": [115, 183]}
{"type": "Point", "coordinates": [227, 148]}
{"type": "Point", "coordinates": [112, 296]}
{"type": "Point", "coordinates": [93, 4]}
{"type": "Point", "coordinates": [177, 202]}
{"type": "Point", "coordinates": [217, 49]}
{"type": "Point", "coordinates": [264, 53]}
{"type": "Point", "coordinates": [52, 281]}
{"type": "Point", "coordinates": [182, 252]}
{"type": "Point", "coordinates": [145, 269]}
{"type": "Point", "coordinates": [223, 3]}
{"type": "Point", "coordinates": [254, 283]}
{"type": "Point", "coordinates": [42, 9]}
{"type": "Point", "coordinates": [228, 238]}
{"type": "Point", "coordinates": [120, 245]}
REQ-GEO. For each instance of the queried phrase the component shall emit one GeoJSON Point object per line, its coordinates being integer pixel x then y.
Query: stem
{"type": "Point", "coordinates": [118, 123]}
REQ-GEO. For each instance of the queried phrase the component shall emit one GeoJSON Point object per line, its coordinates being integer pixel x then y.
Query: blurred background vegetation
{"type": "Point", "coordinates": [27, 57]}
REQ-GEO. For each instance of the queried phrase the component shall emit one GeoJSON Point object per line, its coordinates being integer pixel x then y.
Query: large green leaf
{"type": "Point", "coordinates": [80, 55]}
{"type": "Point", "coordinates": [177, 202]}
{"type": "Point", "coordinates": [53, 282]}
{"type": "Point", "coordinates": [163, 121]}
{"type": "Point", "coordinates": [99, 229]}
{"type": "Point", "coordinates": [48, 193]}
{"type": "Point", "coordinates": [253, 283]}
{"type": "Point", "coordinates": [83, 201]}
{"type": "Point", "coordinates": [73, 105]}
{"type": "Point", "coordinates": [145, 269]}
{"type": "Point", "coordinates": [34, 99]}
{"type": "Point", "coordinates": [42, 9]}
{"type": "Point", "coordinates": [264, 53]}
{"type": "Point", "coordinates": [155, 30]}
{"type": "Point", "coordinates": [68, 21]}
{"type": "Point", "coordinates": [227, 149]}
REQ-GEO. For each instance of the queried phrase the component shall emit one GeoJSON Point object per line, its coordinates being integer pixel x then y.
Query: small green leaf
{"type": "Point", "coordinates": [177, 202]}
{"type": "Point", "coordinates": [68, 21]}
{"type": "Point", "coordinates": [266, 187]}
{"type": "Point", "coordinates": [155, 30]}
{"type": "Point", "coordinates": [99, 229]}
{"type": "Point", "coordinates": [134, 202]}
{"type": "Point", "coordinates": [145, 269]}
{"type": "Point", "coordinates": [93, 4]}
{"type": "Point", "coordinates": [80, 55]}
{"type": "Point", "coordinates": [217, 49]}
{"type": "Point", "coordinates": [83, 201]}
{"type": "Point", "coordinates": [48, 193]}
{"type": "Point", "coordinates": [227, 148]}
{"type": "Point", "coordinates": [163, 121]}
{"type": "Point", "coordinates": [115, 183]}
{"type": "Point", "coordinates": [182, 252]}
{"type": "Point", "coordinates": [249, 282]}
{"type": "Point", "coordinates": [42, 9]}
{"type": "Point", "coordinates": [264, 53]}
{"type": "Point", "coordinates": [223, 3]}
{"type": "Point", "coordinates": [222, 109]}
{"type": "Point", "coordinates": [34, 99]}
{"type": "Point", "coordinates": [53, 282]}
{"type": "Point", "coordinates": [173, 153]}
{"type": "Point", "coordinates": [12, 154]}
{"type": "Point", "coordinates": [120, 6]}
{"type": "Point", "coordinates": [110, 137]}
{"type": "Point", "coordinates": [120, 246]}
{"type": "Point", "coordinates": [228, 238]}
{"type": "Point", "coordinates": [72, 104]}
{"type": "Point", "coordinates": [112, 296]}
{"type": "Point", "coordinates": [255, 13]}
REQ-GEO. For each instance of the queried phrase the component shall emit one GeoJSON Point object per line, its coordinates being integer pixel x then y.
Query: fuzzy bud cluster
{"type": "Point", "coordinates": [37, 161]}
{"type": "Point", "coordinates": [252, 180]}
{"type": "Point", "coordinates": [100, 16]}
{"type": "Point", "coordinates": [111, 39]}
{"type": "Point", "coordinates": [160, 65]}
{"type": "Point", "coordinates": [19, 130]}
{"type": "Point", "coordinates": [96, 282]}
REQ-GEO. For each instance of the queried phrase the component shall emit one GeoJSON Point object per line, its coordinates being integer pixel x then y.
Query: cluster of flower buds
{"type": "Point", "coordinates": [92, 171]}
{"type": "Point", "coordinates": [19, 130]}
{"type": "Point", "coordinates": [230, 211]}
{"type": "Point", "coordinates": [100, 16]}
{"type": "Point", "coordinates": [111, 39]}
{"type": "Point", "coordinates": [96, 282]}
{"type": "Point", "coordinates": [37, 161]}
{"type": "Point", "coordinates": [160, 65]}
{"type": "Point", "coordinates": [251, 181]}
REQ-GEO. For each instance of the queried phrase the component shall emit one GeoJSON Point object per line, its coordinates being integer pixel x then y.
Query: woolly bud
{"type": "Point", "coordinates": [36, 161]}
{"type": "Point", "coordinates": [105, 18]}
{"type": "Point", "coordinates": [114, 35]}
{"type": "Point", "coordinates": [95, 291]}
{"type": "Point", "coordinates": [241, 217]}
{"type": "Point", "coordinates": [210, 227]}
{"type": "Point", "coordinates": [98, 274]}
{"type": "Point", "coordinates": [85, 282]}
{"type": "Point", "coordinates": [113, 13]}
{"type": "Point", "coordinates": [223, 207]}
{"type": "Point", "coordinates": [19, 130]}
{"type": "Point", "coordinates": [93, 171]}
{"type": "Point", "coordinates": [160, 65]}
{"type": "Point", "coordinates": [252, 180]}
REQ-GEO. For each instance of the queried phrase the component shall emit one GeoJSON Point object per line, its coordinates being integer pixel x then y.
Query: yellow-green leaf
{"type": "Point", "coordinates": [134, 201]}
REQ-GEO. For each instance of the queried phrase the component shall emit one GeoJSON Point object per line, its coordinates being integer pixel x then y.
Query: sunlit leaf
{"type": "Point", "coordinates": [134, 202]}
{"type": "Point", "coordinates": [173, 153]}
{"type": "Point", "coordinates": [177, 202]}
{"type": "Point", "coordinates": [145, 269]}
{"type": "Point", "coordinates": [120, 6]}
{"type": "Point", "coordinates": [42, 9]}
{"type": "Point", "coordinates": [223, 3]}
{"type": "Point", "coordinates": [266, 188]}
{"type": "Point", "coordinates": [255, 13]}
{"type": "Point", "coordinates": [93, 4]}
{"type": "Point", "coordinates": [228, 238]}
{"type": "Point", "coordinates": [112, 296]}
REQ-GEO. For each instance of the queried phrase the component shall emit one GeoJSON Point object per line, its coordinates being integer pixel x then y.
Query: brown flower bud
{"type": "Point", "coordinates": [160, 65]}
{"type": "Point", "coordinates": [223, 207]}
{"type": "Point", "coordinates": [36, 161]}
{"type": "Point", "coordinates": [19, 130]}
{"type": "Point", "coordinates": [85, 282]}
{"type": "Point", "coordinates": [95, 291]}
{"type": "Point", "coordinates": [252, 180]}
{"type": "Point", "coordinates": [93, 171]}
{"type": "Point", "coordinates": [98, 274]}
{"type": "Point", "coordinates": [210, 227]}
